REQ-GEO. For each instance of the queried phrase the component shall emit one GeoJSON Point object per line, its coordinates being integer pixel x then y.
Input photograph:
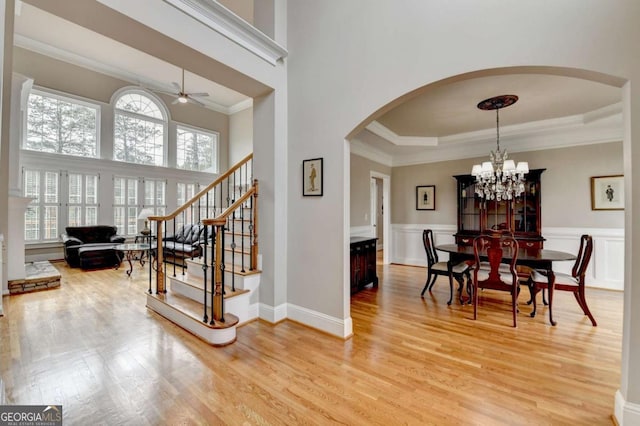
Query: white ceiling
{"type": "Point", "coordinates": [439, 121]}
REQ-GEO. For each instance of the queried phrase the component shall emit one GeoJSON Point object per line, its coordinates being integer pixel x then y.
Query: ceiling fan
{"type": "Point", "coordinates": [184, 97]}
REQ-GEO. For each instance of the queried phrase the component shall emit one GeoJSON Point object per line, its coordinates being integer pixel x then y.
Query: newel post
{"type": "Point", "coordinates": [159, 258]}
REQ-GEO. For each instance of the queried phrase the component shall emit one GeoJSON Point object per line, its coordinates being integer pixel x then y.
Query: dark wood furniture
{"type": "Point", "coordinates": [497, 276]}
{"type": "Point", "coordinates": [522, 216]}
{"type": "Point", "coordinates": [435, 267]}
{"type": "Point", "coordinates": [541, 259]}
{"type": "Point", "coordinates": [574, 283]}
{"type": "Point", "coordinates": [363, 263]}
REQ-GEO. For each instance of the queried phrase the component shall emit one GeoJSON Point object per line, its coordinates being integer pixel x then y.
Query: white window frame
{"type": "Point", "coordinates": [84, 205]}
{"type": "Point", "coordinates": [164, 121]}
{"type": "Point", "coordinates": [65, 97]}
{"type": "Point", "coordinates": [216, 149]}
{"type": "Point", "coordinates": [42, 204]}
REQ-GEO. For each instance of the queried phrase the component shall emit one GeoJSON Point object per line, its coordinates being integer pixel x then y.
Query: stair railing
{"type": "Point", "coordinates": [231, 198]}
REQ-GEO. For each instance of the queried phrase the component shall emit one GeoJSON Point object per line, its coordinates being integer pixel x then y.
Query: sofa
{"type": "Point", "coordinates": [186, 243]}
{"type": "Point", "coordinates": [91, 247]}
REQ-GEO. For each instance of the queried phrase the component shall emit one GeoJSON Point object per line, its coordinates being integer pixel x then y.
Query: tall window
{"type": "Point", "coordinates": [185, 192]}
{"type": "Point", "coordinates": [41, 217]}
{"type": "Point", "coordinates": [196, 150]}
{"type": "Point", "coordinates": [155, 195]}
{"type": "Point", "coordinates": [139, 129]}
{"type": "Point", "coordinates": [125, 205]}
{"type": "Point", "coordinates": [61, 125]}
{"type": "Point", "coordinates": [82, 199]}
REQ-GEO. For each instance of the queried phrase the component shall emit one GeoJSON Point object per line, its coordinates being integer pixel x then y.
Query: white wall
{"type": "Point", "coordinates": [240, 135]}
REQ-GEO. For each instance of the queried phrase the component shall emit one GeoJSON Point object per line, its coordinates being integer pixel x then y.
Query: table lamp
{"type": "Point", "coordinates": [144, 214]}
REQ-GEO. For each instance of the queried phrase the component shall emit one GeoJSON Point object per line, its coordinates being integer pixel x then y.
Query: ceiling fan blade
{"type": "Point", "coordinates": [194, 101]}
{"type": "Point", "coordinates": [176, 86]}
{"type": "Point", "coordinates": [202, 94]}
{"type": "Point", "coordinates": [173, 95]}
{"type": "Point", "coordinates": [175, 101]}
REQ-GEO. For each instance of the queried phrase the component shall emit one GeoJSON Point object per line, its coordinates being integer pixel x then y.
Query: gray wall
{"type": "Point", "coordinates": [360, 191]}
{"type": "Point", "coordinates": [566, 187]}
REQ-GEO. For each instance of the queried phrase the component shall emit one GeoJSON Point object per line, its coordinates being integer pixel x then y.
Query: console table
{"type": "Point", "coordinates": [363, 263]}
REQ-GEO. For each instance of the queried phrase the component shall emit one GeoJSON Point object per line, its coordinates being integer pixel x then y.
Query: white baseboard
{"type": "Point", "coordinates": [626, 413]}
{"type": "Point", "coordinates": [331, 325]}
{"type": "Point", "coordinates": [271, 314]}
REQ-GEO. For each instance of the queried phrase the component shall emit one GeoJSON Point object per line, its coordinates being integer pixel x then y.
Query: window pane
{"type": "Point", "coordinates": [132, 220]}
{"type": "Point", "coordinates": [132, 191]}
{"type": "Point", "coordinates": [32, 185]}
{"type": "Point", "coordinates": [118, 191]}
{"type": "Point", "coordinates": [91, 217]}
{"type": "Point", "coordinates": [32, 224]}
{"type": "Point", "coordinates": [51, 187]}
{"type": "Point", "coordinates": [160, 190]}
{"type": "Point", "coordinates": [75, 216]}
{"type": "Point", "coordinates": [50, 222]}
{"type": "Point", "coordinates": [118, 219]}
{"type": "Point", "coordinates": [148, 192]}
{"type": "Point", "coordinates": [61, 125]}
{"type": "Point", "coordinates": [91, 190]}
{"type": "Point", "coordinates": [196, 150]}
{"type": "Point", "coordinates": [75, 189]}
{"type": "Point", "coordinates": [139, 104]}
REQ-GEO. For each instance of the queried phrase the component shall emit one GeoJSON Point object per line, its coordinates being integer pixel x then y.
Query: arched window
{"type": "Point", "coordinates": [139, 129]}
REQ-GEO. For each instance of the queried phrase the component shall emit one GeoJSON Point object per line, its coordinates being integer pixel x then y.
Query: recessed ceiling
{"type": "Point", "coordinates": [452, 109]}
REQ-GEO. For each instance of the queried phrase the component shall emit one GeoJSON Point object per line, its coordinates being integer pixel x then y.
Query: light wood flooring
{"type": "Point", "coordinates": [93, 347]}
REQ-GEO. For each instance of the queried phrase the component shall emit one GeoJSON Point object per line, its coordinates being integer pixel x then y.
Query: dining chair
{"type": "Point", "coordinates": [496, 277]}
{"type": "Point", "coordinates": [435, 267]}
{"type": "Point", "coordinates": [574, 282]}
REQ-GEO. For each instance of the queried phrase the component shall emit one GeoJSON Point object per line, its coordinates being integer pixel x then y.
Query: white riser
{"type": "Point", "coordinates": [227, 257]}
{"type": "Point", "coordinates": [218, 337]}
{"type": "Point", "coordinates": [242, 305]}
{"type": "Point", "coordinates": [243, 282]}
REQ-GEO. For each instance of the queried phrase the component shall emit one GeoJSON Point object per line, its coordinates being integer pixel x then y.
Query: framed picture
{"type": "Point", "coordinates": [607, 192]}
{"type": "Point", "coordinates": [312, 177]}
{"type": "Point", "coordinates": [426, 197]}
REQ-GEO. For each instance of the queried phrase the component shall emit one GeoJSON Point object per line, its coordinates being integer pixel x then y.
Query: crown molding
{"type": "Point", "coordinates": [115, 72]}
{"type": "Point", "coordinates": [222, 20]}
{"type": "Point", "coordinates": [384, 132]}
{"type": "Point", "coordinates": [557, 133]}
{"type": "Point", "coordinates": [363, 150]}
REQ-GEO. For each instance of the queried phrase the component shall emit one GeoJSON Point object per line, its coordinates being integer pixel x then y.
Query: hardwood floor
{"type": "Point", "coordinates": [93, 347]}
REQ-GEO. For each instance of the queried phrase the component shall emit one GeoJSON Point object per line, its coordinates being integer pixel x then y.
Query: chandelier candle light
{"type": "Point", "coordinates": [499, 179]}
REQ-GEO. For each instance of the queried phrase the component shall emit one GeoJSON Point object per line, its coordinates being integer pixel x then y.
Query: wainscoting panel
{"type": "Point", "coordinates": [606, 269]}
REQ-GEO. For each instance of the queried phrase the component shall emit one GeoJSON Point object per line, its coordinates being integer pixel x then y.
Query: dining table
{"type": "Point", "coordinates": [535, 258]}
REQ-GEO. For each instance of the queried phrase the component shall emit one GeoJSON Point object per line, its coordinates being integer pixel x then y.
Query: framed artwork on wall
{"type": "Point", "coordinates": [426, 197]}
{"type": "Point", "coordinates": [607, 192]}
{"type": "Point", "coordinates": [312, 177]}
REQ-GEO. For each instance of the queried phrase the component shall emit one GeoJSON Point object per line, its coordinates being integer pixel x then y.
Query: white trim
{"type": "Point", "coordinates": [240, 106]}
{"type": "Point", "coordinates": [386, 217]}
{"type": "Point", "coordinates": [626, 413]}
{"type": "Point", "coordinates": [386, 133]}
{"type": "Point", "coordinates": [318, 320]}
{"type": "Point", "coordinates": [272, 314]}
{"type": "Point", "coordinates": [222, 20]}
{"type": "Point", "coordinates": [363, 150]}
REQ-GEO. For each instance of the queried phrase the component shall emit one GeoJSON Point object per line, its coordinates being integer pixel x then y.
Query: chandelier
{"type": "Point", "coordinates": [499, 179]}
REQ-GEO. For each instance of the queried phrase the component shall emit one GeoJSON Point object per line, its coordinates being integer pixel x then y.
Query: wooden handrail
{"type": "Point", "coordinates": [229, 210]}
{"type": "Point", "coordinates": [203, 191]}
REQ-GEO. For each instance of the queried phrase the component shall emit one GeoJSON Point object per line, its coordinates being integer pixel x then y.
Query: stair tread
{"type": "Point", "coordinates": [197, 283]}
{"type": "Point", "coordinates": [194, 310]}
{"type": "Point", "coordinates": [236, 269]}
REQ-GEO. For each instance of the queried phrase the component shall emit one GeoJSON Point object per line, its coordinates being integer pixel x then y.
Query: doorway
{"type": "Point", "coordinates": [380, 186]}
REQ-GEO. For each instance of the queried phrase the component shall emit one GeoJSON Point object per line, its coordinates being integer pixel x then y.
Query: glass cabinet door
{"type": "Point", "coordinates": [498, 215]}
{"type": "Point", "coordinates": [525, 209]}
{"type": "Point", "coordinates": [469, 207]}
